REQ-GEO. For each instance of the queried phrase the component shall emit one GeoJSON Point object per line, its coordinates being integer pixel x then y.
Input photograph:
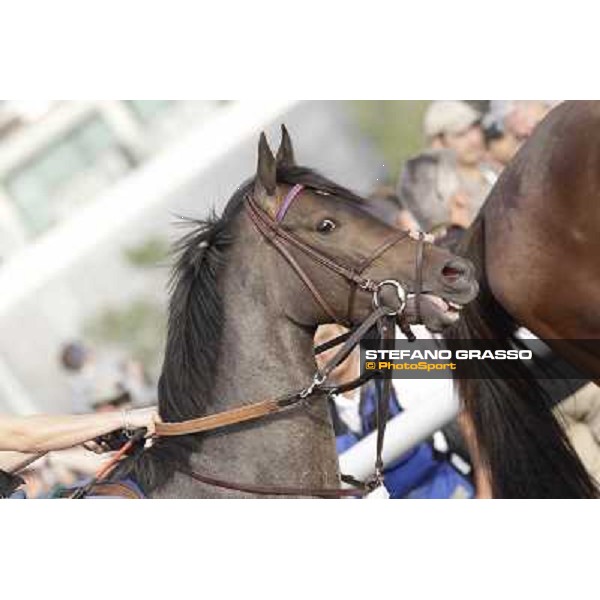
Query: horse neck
{"type": "Point", "coordinates": [262, 356]}
{"type": "Point", "coordinates": [542, 230]}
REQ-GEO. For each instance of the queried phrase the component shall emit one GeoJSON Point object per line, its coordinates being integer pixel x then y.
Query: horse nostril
{"type": "Point", "coordinates": [454, 269]}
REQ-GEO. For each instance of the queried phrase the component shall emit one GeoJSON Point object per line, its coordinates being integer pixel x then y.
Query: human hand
{"type": "Point", "coordinates": [125, 421]}
{"type": "Point", "coordinates": [141, 417]}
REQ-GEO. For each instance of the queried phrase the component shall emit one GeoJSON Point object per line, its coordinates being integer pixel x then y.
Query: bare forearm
{"type": "Point", "coordinates": [38, 434]}
{"type": "Point", "coordinates": [14, 461]}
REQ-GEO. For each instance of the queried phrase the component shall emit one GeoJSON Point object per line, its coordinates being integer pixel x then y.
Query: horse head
{"type": "Point", "coordinates": [347, 258]}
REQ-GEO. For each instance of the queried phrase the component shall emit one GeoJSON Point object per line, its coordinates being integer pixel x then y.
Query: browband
{"type": "Point", "coordinates": [287, 202]}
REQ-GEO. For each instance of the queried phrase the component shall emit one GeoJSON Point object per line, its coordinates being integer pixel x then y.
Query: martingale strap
{"type": "Point", "coordinates": [260, 409]}
{"type": "Point", "coordinates": [387, 343]}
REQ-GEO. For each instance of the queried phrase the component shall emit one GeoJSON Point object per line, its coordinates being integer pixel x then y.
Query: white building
{"type": "Point", "coordinates": [52, 165]}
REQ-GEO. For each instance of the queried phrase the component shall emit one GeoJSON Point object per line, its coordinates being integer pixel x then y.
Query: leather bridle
{"type": "Point", "coordinates": [385, 317]}
{"type": "Point", "coordinates": [283, 240]}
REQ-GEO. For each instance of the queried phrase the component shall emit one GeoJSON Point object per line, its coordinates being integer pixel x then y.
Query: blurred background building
{"type": "Point", "coordinates": [90, 192]}
{"type": "Point", "coordinates": [58, 156]}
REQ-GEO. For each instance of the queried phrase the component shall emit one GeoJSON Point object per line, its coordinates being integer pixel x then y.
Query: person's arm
{"type": "Point", "coordinates": [12, 462]}
{"type": "Point", "coordinates": [44, 433]}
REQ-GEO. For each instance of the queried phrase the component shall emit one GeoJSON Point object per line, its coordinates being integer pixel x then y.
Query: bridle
{"type": "Point", "coordinates": [284, 240]}
{"type": "Point", "coordinates": [384, 316]}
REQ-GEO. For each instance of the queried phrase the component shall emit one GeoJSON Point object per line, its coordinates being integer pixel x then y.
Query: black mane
{"type": "Point", "coordinates": [195, 326]}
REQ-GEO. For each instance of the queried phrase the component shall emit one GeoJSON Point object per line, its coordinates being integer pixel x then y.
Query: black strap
{"type": "Point", "coordinates": [383, 399]}
{"type": "Point", "coordinates": [279, 490]}
{"type": "Point", "coordinates": [332, 343]}
{"type": "Point", "coordinates": [354, 339]}
{"type": "Point", "coordinates": [351, 385]}
{"type": "Point", "coordinates": [419, 275]}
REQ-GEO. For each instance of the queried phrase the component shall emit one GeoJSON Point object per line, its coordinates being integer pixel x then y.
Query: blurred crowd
{"type": "Point", "coordinates": [446, 184]}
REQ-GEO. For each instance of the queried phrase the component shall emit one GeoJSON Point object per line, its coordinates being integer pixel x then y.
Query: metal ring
{"type": "Point", "coordinates": [400, 292]}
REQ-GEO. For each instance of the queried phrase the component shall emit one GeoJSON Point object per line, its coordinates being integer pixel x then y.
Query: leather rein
{"type": "Point", "coordinates": [383, 316]}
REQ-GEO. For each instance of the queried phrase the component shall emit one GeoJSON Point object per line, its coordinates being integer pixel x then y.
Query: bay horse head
{"type": "Point", "coordinates": [346, 258]}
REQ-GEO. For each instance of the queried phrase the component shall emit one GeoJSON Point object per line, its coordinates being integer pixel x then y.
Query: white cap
{"type": "Point", "coordinates": [449, 116]}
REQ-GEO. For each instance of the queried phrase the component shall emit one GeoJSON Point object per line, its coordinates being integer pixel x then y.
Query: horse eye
{"type": "Point", "coordinates": [325, 226]}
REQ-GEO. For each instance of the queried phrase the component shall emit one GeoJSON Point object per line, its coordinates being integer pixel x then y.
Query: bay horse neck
{"type": "Point", "coordinates": [536, 245]}
{"type": "Point", "coordinates": [261, 354]}
{"type": "Point", "coordinates": [542, 231]}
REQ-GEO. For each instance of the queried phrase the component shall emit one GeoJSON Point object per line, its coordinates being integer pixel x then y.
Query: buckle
{"type": "Point", "coordinates": [318, 381]}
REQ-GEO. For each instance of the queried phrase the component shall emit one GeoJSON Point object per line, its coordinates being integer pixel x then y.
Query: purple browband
{"type": "Point", "coordinates": [287, 202]}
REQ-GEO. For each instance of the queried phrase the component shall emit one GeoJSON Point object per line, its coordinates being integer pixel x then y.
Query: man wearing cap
{"type": "Point", "coordinates": [449, 182]}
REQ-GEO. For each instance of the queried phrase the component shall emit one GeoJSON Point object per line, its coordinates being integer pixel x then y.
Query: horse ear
{"type": "Point", "coordinates": [266, 172]}
{"type": "Point", "coordinates": [285, 154]}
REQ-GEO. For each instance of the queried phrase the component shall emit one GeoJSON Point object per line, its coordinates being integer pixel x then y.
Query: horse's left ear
{"type": "Point", "coordinates": [265, 185]}
{"type": "Point", "coordinates": [266, 170]}
{"type": "Point", "coordinates": [285, 154]}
